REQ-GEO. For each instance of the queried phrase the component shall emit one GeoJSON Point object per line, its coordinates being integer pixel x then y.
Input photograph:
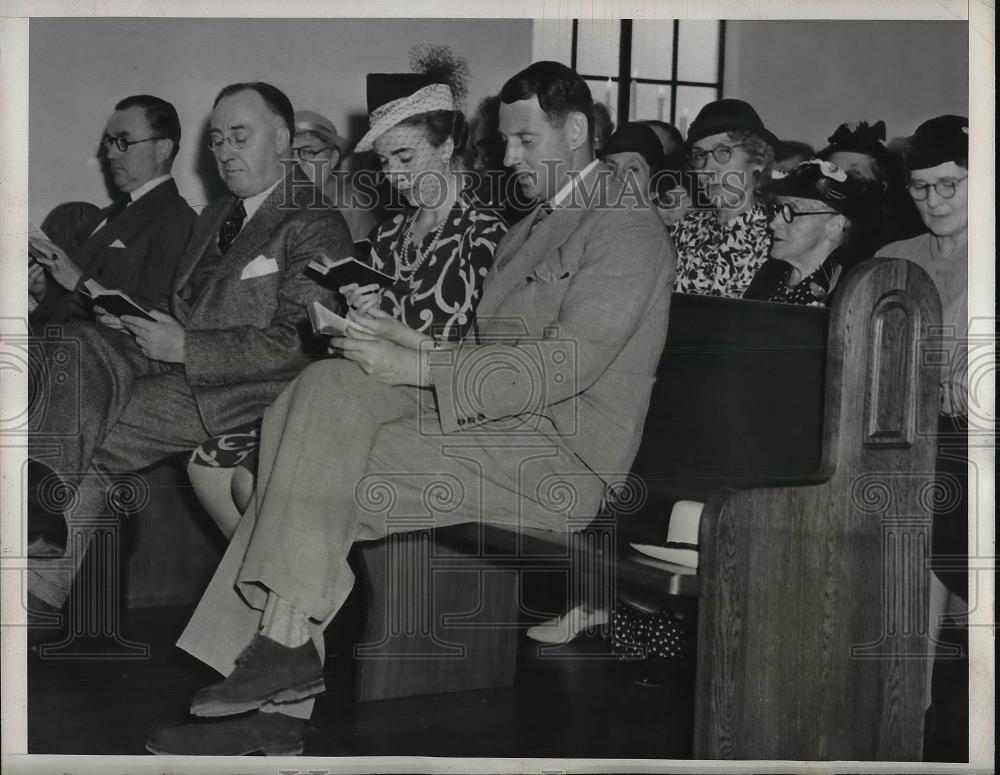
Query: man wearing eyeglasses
{"type": "Point", "coordinates": [134, 244]}
{"type": "Point", "coordinates": [144, 389]}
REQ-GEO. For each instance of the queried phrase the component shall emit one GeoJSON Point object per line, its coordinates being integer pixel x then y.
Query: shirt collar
{"type": "Point", "coordinates": [148, 186]}
{"type": "Point", "coordinates": [252, 203]}
{"type": "Point", "coordinates": [564, 193]}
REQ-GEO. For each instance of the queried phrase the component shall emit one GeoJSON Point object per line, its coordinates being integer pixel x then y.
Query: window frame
{"type": "Point", "coordinates": [624, 78]}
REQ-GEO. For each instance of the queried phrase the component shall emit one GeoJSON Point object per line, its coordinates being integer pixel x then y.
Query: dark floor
{"type": "Point", "coordinates": [559, 707]}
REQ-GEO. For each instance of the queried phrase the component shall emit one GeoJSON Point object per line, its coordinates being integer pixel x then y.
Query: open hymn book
{"type": "Point", "coordinates": [114, 303]}
{"type": "Point", "coordinates": [326, 322]}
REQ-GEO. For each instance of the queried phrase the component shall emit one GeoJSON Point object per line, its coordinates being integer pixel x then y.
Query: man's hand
{"type": "Point", "coordinates": [386, 361]}
{"type": "Point", "coordinates": [106, 319]}
{"type": "Point", "coordinates": [161, 340]}
{"type": "Point", "coordinates": [36, 283]}
{"type": "Point", "coordinates": [60, 265]}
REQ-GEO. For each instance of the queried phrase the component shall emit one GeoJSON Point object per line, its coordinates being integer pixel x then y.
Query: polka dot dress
{"type": "Point", "coordinates": [662, 635]}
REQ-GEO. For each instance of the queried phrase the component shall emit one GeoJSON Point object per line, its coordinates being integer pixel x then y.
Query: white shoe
{"type": "Point", "coordinates": [565, 628]}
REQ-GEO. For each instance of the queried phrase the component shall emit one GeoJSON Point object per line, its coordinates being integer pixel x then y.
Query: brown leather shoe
{"type": "Point", "coordinates": [273, 734]}
{"type": "Point", "coordinates": [266, 671]}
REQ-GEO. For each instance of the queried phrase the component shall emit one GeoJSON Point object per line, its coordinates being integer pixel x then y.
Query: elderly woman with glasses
{"type": "Point", "coordinates": [936, 159]}
{"type": "Point", "coordinates": [818, 212]}
{"type": "Point", "coordinates": [320, 151]}
{"type": "Point", "coordinates": [724, 238]}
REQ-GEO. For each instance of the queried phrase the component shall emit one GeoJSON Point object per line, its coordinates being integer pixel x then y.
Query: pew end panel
{"type": "Point", "coordinates": [813, 607]}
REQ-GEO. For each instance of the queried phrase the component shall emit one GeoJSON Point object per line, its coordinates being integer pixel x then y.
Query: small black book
{"type": "Point", "coordinates": [347, 271]}
{"type": "Point", "coordinates": [116, 303]}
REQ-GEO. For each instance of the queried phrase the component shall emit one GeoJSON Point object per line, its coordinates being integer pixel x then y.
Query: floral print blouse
{"type": "Point", "coordinates": [716, 258]}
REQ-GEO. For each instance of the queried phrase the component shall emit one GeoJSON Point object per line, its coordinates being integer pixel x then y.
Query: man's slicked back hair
{"type": "Point", "coordinates": [160, 115]}
{"type": "Point", "coordinates": [275, 99]}
{"type": "Point", "coordinates": [560, 91]}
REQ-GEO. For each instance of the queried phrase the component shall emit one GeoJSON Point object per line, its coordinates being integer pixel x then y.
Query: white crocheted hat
{"type": "Point", "coordinates": [393, 98]}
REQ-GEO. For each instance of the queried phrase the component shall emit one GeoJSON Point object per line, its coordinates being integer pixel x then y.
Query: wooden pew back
{"type": "Point", "coordinates": [812, 637]}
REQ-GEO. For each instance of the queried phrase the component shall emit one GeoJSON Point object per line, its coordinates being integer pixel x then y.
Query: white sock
{"type": "Point", "coordinates": [284, 623]}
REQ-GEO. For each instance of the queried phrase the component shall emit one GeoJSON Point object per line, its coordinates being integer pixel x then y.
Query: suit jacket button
{"type": "Point", "coordinates": [461, 421]}
{"type": "Point", "coordinates": [481, 416]}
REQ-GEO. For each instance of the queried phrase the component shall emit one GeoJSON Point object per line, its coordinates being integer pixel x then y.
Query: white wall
{"type": "Point", "coordinates": [805, 78]}
{"type": "Point", "coordinates": [79, 68]}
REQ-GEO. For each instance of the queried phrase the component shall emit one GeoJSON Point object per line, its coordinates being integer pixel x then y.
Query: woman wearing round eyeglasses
{"type": "Point", "coordinates": [818, 212]}
{"type": "Point", "coordinates": [936, 158]}
{"type": "Point", "coordinates": [937, 164]}
{"type": "Point", "coordinates": [724, 238]}
{"type": "Point", "coordinates": [320, 151]}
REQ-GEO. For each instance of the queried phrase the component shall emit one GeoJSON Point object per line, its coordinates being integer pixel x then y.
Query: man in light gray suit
{"type": "Point", "coordinates": [571, 325]}
{"type": "Point", "coordinates": [147, 389]}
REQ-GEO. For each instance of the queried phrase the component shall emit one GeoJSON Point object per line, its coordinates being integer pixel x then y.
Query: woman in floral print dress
{"type": "Point", "coordinates": [724, 238]}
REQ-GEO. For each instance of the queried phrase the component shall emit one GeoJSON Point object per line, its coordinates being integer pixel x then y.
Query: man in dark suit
{"type": "Point", "coordinates": [134, 244]}
{"type": "Point", "coordinates": [153, 388]}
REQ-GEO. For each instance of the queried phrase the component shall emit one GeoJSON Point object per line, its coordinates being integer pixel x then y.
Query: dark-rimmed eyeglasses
{"type": "Point", "coordinates": [308, 154]}
{"type": "Point", "coordinates": [944, 188]}
{"type": "Point", "coordinates": [122, 144]}
{"type": "Point", "coordinates": [721, 153]}
{"type": "Point", "coordinates": [789, 213]}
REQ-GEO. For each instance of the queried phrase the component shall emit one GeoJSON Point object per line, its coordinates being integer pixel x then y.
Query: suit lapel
{"type": "Point", "coordinates": [542, 241]}
{"type": "Point", "coordinates": [255, 232]}
{"type": "Point", "coordinates": [206, 231]}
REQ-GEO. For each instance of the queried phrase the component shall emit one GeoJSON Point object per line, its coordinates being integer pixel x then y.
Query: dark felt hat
{"type": "Point", "coordinates": [729, 116]}
{"type": "Point", "coordinates": [937, 141]}
{"type": "Point", "coordinates": [860, 137]}
{"type": "Point", "coordinates": [825, 182]}
{"type": "Point", "coordinates": [639, 138]}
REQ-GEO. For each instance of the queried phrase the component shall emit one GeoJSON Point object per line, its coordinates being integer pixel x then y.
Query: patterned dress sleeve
{"type": "Point", "coordinates": [459, 287]}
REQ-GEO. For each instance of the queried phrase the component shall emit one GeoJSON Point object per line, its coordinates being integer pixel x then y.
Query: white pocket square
{"type": "Point", "coordinates": [260, 266]}
{"type": "Point", "coordinates": [117, 244]}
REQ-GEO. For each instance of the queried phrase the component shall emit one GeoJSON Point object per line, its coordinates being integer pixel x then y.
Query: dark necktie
{"type": "Point", "coordinates": [117, 208]}
{"type": "Point", "coordinates": [231, 226]}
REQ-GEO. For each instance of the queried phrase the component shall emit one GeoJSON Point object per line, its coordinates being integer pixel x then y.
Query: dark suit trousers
{"type": "Point", "coordinates": [101, 409]}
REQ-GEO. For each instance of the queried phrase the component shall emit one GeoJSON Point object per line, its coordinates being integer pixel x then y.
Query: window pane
{"type": "Point", "coordinates": [652, 101]}
{"type": "Point", "coordinates": [597, 47]}
{"type": "Point", "coordinates": [552, 40]}
{"type": "Point", "coordinates": [690, 100]}
{"type": "Point", "coordinates": [653, 48]}
{"type": "Point", "coordinates": [698, 51]}
{"type": "Point", "coordinates": [602, 93]}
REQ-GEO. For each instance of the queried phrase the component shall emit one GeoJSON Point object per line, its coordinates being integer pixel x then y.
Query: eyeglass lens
{"type": "Point", "coordinates": [721, 154]}
{"type": "Point", "coordinates": [943, 188]}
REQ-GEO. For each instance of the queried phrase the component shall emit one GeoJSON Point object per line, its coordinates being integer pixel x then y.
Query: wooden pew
{"type": "Point", "coordinates": [812, 585]}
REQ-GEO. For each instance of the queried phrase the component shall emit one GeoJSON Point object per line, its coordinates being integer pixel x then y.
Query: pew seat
{"type": "Point", "coordinates": [809, 435]}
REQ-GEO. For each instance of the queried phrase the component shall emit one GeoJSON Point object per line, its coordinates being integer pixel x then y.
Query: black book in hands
{"type": "Point", "coordinates": [347, 271]}
{"type": "Point", "coordinates": [115, 302]}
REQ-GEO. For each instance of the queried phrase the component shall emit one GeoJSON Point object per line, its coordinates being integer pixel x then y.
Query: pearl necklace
{"type": "Point", "coordinates": [422, 256]}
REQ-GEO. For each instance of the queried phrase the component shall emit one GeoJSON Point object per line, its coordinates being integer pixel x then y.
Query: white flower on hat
{"type": "Point", "coordinates": [831, 170]}
{"type": "Point", "coordinates": [778, 174]}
